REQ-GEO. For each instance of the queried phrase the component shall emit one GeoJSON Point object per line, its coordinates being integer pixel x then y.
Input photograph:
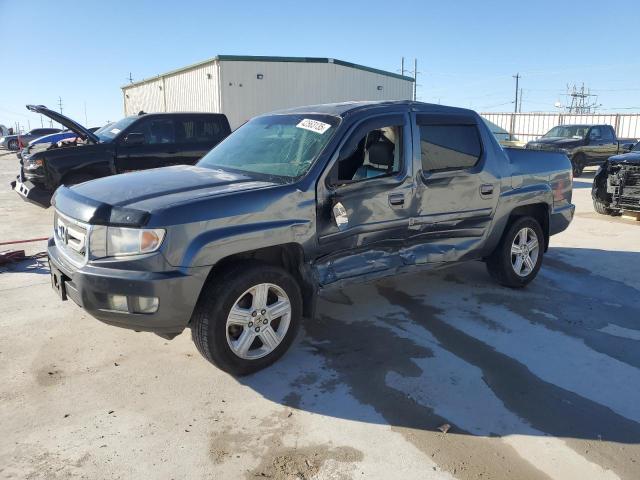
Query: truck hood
{"type": "Point", "coordinates": [557, 142]}
{"type": "Point", "coordinates": [66, 121]}
{"type": "Point", "coordinates": [129, 199]}
{"type": "Point", "coordinates": [632, 158]}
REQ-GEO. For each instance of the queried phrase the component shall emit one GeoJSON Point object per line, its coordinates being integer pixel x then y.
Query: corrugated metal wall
{"type": "Point", "coordinates": [147, 96]}
{"type": "Point", "coordinates": [291, 84]}
{"type": "Point", "coordinates": [529, 126]}
{"type": "Point", "coordinates": [195, 90]}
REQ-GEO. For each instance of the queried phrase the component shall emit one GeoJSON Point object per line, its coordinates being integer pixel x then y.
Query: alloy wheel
{"type": "Point", "coordinates": [258, 321]}
{"type": "Point", "coordinates": [525, 249]}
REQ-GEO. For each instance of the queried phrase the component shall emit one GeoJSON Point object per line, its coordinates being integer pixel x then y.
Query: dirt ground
{"type": "Point", "coordinates": [535, 384]}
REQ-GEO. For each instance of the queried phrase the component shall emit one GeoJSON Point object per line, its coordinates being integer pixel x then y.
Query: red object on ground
{"type": "Point", "coordinates": [13, 242]}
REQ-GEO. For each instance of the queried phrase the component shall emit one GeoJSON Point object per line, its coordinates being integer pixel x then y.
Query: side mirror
{"type": "Point", "coordinates": [627, 147]}
{"type": "Point", "coordinates": [134, 139]}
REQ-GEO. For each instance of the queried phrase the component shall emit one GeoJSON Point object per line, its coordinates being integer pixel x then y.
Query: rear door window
{"type": "Point", "coordinates": [199, 130]}
{"type": "Point", "coordinates": [449, 147]}
{"type": "Point", "coordinates": [607, 134]}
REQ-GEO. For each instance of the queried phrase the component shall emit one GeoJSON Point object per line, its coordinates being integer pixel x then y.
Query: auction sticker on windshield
{"type": "Point", "coordinates": [314, 125]}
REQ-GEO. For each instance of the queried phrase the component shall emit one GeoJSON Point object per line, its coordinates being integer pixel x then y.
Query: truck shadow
{"type": "Point", "coordinates": [559, 358]}
{"type": "Point", "coordinates": [31, 265]}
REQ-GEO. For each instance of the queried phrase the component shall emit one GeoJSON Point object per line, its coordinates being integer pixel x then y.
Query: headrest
{"type": "Point", "coordinates": [381, 153]}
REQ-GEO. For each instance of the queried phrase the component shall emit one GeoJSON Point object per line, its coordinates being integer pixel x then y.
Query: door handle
{"type": "Point", "coordinates": [396, 199]}
{"type": "Point", "coordinates": [486, 189]}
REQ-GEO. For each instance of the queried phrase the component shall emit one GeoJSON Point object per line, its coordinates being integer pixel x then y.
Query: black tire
{"type": "Point", "coordinates": [499, 263]}
{"type": "Point", "coordinates": [602, 208]}
{"type": "Point", "coordinates": [577, 164]}
{"type": "Point", "coordinates": [13, 145]}
{"type": "Point", "coordinates": [76, 179]}
{"type": "Point", "coordinates": [209, 320]}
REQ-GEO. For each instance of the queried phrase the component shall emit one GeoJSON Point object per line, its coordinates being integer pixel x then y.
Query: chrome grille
{"type": "Point", "coordinates": [71, 237]}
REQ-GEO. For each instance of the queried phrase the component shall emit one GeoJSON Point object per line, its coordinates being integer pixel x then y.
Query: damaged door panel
{"type": "Point", "coordinates": [371, 185]}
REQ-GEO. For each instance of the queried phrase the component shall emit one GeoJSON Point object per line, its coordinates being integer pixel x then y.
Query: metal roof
{"type": "Point", "coordinates": [257, 58]}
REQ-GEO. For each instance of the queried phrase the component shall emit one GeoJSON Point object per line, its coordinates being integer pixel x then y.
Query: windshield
{"type": "Point", "coordinates": [636, 148]}
{"type": "Point", "coordinates": [567, 131]}
{"type": "Point", "coordinates": [107, 134]}
{"type": "Point", "coordinates": [280, 145]}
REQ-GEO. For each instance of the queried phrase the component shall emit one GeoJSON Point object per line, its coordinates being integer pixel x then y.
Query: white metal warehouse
{"type": "Point", "coordinates": [244, 86]}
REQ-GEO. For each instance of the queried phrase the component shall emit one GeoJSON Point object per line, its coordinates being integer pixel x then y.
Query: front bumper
{"type": "Point", "coordinates": [32, 192]}
{"type": "Point", "coordinates": [88, 286]}
{"type": "Point", "coordinates": [561, 218]}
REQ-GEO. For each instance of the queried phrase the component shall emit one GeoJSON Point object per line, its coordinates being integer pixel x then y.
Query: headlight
{"type": "Point", "coordinates": [118, 241]}
{"type": "Point", "coordinates": [31, 164]}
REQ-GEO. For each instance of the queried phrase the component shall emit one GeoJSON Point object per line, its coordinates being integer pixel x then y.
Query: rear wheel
{"type": "Point", "coordinates": [247, 318]}
{"type": "Point", "coordinates": [577, 164]}
{"type": "Point", "coordinates": [517, 259]}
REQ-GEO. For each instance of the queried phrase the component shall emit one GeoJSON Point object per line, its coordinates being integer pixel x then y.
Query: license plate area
{"type": "Point", "coordinates": [58, 282]}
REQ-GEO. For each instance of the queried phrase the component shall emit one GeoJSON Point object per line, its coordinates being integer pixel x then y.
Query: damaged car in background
{"type": "Point", "coordinates": [137, 142]}
{"type": "Point", "coordinates": [616, 186]}
{"type": "Point", "coordinates": [237, 247]}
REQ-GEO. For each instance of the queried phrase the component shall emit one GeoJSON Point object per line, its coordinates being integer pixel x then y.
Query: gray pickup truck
{"type": "Point", "coordinates": [238, 246]}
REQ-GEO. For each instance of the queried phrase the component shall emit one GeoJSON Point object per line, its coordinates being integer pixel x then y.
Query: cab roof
{"type": "Point", "coordinates": [346, 108]}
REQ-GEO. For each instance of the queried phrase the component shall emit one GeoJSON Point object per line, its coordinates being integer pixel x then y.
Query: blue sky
{"type": "Point", "coordinates": [467, 51]}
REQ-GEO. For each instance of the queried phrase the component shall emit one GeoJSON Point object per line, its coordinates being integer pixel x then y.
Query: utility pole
{"type": "Point", "coordinates": [520, 105]}
{"type": "Point", "coordinates": [41, 123]}
{"type": "Point", "coordinates": [515, 107]}
{"type": "Point", "coordinates": [415, 79]}
{"type": "Point", "coordinates": [402, 67]}
{"type": "Point", "coordinates": [517, 77]}
{"type": "Point", "coordinates": [60, 104]}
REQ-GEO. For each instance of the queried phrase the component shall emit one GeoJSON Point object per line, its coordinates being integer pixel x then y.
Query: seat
{"type": "Point", "coordinates": [379, 162]}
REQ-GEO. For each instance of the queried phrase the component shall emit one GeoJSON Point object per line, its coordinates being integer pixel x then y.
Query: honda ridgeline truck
{"type": "Point", "coordinates": [238, 246]}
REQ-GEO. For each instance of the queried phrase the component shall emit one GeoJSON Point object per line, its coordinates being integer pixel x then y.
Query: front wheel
{"type": "Point", "coordinates": [603, 208]}
{"type": "Point", "coordinates": [577, 165]}
{"type": "Point", "coordinates": [247, 318]}
{"type": "Point", "coordinates": [518, 257]}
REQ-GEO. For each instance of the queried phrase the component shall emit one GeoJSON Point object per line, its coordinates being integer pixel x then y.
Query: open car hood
{"type": "Point", "coordinates": [66, 121]}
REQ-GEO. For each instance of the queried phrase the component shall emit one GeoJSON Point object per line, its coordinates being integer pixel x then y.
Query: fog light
{"type": "Point", "coordinates": [144, 304]}
{"type": "Point", "coordinates": [118, 302]}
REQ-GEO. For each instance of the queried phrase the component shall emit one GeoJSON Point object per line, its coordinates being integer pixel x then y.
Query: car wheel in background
{"type": "Point", "coordinates": [577, 164]}
{"type": "Point", "coordinates": [603, 208]}
{"type": "Point", "coordinates": [517, 259]}
{"type": "Point", "coordinates": [247, 317]}
{"type": "Point", "coordinates": [13, 144]}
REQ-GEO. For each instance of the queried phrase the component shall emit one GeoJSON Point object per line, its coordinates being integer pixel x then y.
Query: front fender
{"type": "Point", "coordinates": [208, 248]}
